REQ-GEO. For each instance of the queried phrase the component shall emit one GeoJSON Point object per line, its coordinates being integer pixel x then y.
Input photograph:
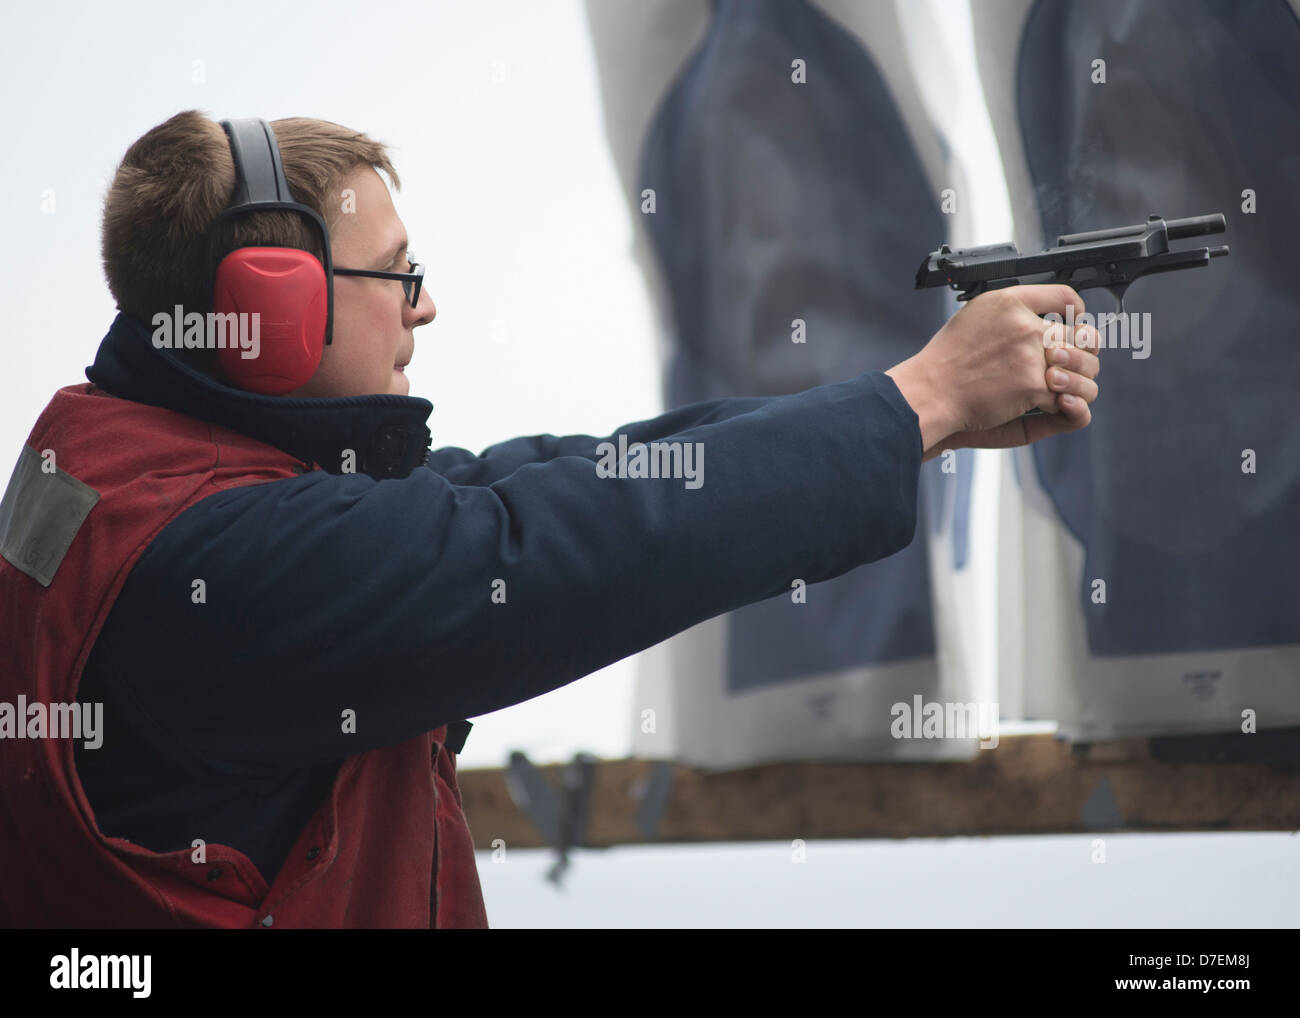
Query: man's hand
{"type": "Point", "coordinates": [995, 359]}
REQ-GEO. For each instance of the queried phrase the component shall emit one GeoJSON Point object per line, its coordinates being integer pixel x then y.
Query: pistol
{"type": "Point", "coordinates": [1102, 258]}
{"type": "Point", "coordinates": [1110, 259]}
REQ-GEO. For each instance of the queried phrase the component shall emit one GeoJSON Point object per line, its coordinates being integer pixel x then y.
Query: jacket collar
{"type": "Point", "coordinates": [388, 433]}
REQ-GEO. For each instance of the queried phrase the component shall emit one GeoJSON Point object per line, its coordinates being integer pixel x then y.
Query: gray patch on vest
{"type": "Point", "coordinates": [40, 514]}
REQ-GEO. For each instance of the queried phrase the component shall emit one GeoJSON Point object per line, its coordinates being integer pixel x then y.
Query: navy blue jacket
{"type": "Point", "coordinates": [372, 591]}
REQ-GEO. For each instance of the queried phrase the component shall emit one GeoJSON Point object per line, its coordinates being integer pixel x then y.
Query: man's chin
{"type": "Point", "coordinates": [401, 385]}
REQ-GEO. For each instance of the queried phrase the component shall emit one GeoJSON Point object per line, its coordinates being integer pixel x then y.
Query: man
{"type": "Point", "coordinates": [284, 604]}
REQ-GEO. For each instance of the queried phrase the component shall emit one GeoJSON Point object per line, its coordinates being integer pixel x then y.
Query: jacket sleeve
{"type": "Point", "coordinates": [460, 466]}
{"type": "Point", "coordinates": [344, 613]}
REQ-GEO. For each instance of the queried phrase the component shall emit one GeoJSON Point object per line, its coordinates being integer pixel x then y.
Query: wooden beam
{"type": "Point", "coordinates": [1029, 784]}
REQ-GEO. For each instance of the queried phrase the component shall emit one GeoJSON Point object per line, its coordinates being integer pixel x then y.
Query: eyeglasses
{"type": "Point", "coordinates": [411, 281]}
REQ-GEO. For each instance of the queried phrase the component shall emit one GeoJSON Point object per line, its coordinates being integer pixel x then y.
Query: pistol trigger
{"type": "Point", "coordinates": [1118, 293]}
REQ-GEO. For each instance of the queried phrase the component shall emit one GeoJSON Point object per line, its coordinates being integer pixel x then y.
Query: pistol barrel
{"type": "Point", "coordinates": [1196, 226]}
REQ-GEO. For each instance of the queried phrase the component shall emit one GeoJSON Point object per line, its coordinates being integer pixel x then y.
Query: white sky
{"type": "Point", "coordinates": [512, 202]}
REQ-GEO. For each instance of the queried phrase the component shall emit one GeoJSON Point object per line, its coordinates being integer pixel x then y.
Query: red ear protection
{"type": "Point", "coordinates": [284, 294]}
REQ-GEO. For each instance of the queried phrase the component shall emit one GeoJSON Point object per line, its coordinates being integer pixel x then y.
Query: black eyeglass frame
{"type": "Point", "coordinates": [411, 281]}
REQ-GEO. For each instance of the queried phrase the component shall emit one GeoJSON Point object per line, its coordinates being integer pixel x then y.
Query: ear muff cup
{"type": "Point", "coordinates": [286, 288]}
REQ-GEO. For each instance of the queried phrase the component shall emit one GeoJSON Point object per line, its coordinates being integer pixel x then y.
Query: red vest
{"type": "Point", "coordinates": [389, 847]}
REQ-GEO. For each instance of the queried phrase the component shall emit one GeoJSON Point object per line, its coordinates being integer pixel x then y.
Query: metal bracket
{"type": "Point", "coordinates": [654, 792]}
{"type": "Point", "coordinates": [560, 815]}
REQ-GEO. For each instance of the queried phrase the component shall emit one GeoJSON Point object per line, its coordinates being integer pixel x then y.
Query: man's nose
{"type": "Point", "coordinates": [424, 311]}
